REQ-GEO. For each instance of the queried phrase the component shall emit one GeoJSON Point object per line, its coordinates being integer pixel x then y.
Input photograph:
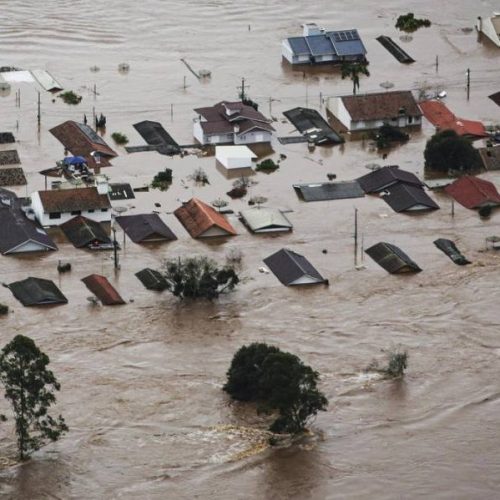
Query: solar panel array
{"type": "Point", "coordinates": [345, 36]}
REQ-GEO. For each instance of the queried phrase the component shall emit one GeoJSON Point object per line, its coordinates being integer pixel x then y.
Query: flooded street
{"type": "Point", "coordinates": [141, 383]}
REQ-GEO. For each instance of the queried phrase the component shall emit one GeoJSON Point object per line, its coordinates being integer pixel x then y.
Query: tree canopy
{"type": "Point", "coordinates": [353, 70]}
{"type": "Point", "coordinates": [278, 381]}
{"type": "Point", "coordinates": [198, 277]}
{"type": "Point", "coordinates": [446, 151]}
{"type": "Point", "coordinates": [29, 387]}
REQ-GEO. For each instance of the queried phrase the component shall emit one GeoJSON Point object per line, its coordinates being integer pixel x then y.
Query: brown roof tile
{"type": "Point", "coordinates": [71, 200]}
{"type": "Point", "coordinates": [197, 217]}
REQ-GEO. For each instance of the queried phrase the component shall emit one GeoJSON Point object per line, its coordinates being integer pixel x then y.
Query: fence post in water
{"type": "Point", "coordinates": [355, 237]}
{"type": "Point", "coordinates": [452, 207]}
{"type": "Point", "coordinates": [172, 112]}
{"type": "Point", "coordinates": [437, 63]}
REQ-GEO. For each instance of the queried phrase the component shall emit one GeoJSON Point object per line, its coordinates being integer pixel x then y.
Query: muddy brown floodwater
{"type": "Point", "coordinates": [141, 383]}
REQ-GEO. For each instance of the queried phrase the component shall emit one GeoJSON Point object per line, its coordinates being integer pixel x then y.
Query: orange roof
{"type": "Point", "coordinates": [103, 290]}
{"type": "Point", "coordinates": [442, 118]}
{"type": "Point", "coordinates": [197, 217]}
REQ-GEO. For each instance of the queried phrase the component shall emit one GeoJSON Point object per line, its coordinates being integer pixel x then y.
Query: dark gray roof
{"type": "Point", "coordinates": [392, 258]}
{"type": "Point", "coordinates": [450, 249]}
{"type": "Point", "coordinates": [404, 197]}
{"type": "Point", "coordinates": [155, 135]}
{"type": "Point", "coordinates": [7, 138]}
{"type": "Point", "coordinates": [120, 191]}
{"type": "Point", "coordinates": [37, 292]}
{"type": "Point", "coordinates": [152, 280]}
{"type": "Point", "coordinates": [313, 126]}
{"type": "Point", "coordinates": [12, 176]}
{"type": "Point", "coordinates": [329, 191]}
{"type": "Point", "coordinates": [16, 229]}
{"type": "Point", "coordinates": [386, 176]}
{"type": "Point", "coordinates": [495, 98]}
{"type": "Point", "coordinates": [9, 157]}
{"type": "Point", "coordinates": [83, 232]}
{"type": "Point", "coordinates": [334, 43]}
{"type": "Point", "coordinates": [289, 267]}
{"type": "Point", "coordinates": [141, 228]}
{"type": "Point", "coordinates": [395, 49]}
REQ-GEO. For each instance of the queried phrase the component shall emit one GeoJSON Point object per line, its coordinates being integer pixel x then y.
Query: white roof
{"type": "Point", "coordinates": [222, 153]}
{"type": "Point", "coordinates": [46, 80]}
{"type": "Point", "coordinates": [262, 219]}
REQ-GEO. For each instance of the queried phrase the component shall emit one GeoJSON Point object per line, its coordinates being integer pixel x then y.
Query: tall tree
{"type": "Point", "coordinates": [353, 70]}
{"type": "Point", "coordinates": [29, 387]}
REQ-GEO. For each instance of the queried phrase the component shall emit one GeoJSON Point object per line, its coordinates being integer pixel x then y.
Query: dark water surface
{"type": "Point", "coordinates": [141, 383]}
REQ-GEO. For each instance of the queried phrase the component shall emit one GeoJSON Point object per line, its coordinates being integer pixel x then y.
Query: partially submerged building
{"type": "Point", "coordinates": [202, 221]}
{"type": "Point", "coordinates": [18, 234]}
{"type": "Point", "coordinates": [449, 248]}
{"type": "Point", "coordinates": [368, 112]}
{"type": "Point", "coordinates": [385, 177]}
{"type": "Point", "coordinates": [443, 119]}
{"type": "Point", "coordinates": [12, 176]}
{"type": "Point", "coordinates": [473, 192]}
{"type": "Point", "coordinates": [293, 269]}
{"type": "Point", "coordinates": [152, 279]}
{"type": "Point", "coordinates": [53, 208]}
{"type": "Point", "coordinates": [402, 197]}
{"type": "Point", "coordinates": [325, 191]}
{"type": "Point", "coordinates": [103, 290]}
{"type": "Point", "coordinates": [37, 292]}
{"type": "Point", "coordinates": [313, 126]}
{"type": "Point", "coordinates": [145, 228]}
{"type": "Point", "coordinates": [81, 140]}
{"type": "Point", "coordinates": [235, 161]}
{"type": "Point", "coordinates": [392, 259]}
{"type": "Point", "coordinates": [265, 220]}
{"type": "Point", "coordinates": [83, 232]}
{"type": "Point", "coordinates": [231, 123]}
{"type": "Point", "coordinates": [490, 27]}
{"type": "Point", "coordinates": [157, 137]}
{"type": "Point", "coordinates": [318, 46]}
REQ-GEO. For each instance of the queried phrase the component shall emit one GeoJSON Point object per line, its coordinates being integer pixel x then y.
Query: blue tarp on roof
{"type": "Point", "coordinates": [74, 160]}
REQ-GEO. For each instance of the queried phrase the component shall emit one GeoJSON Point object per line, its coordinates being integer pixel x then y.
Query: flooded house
{"type": "Point", "coordinates": [57, 206]}
{"type": "Point", "coordinates": [86, 233]}
{"type": "Point", "coordinates": [473, 192]}
{"type": "Point", "coordinates": [392, 258]}
{"type": "Point", "coordinates": [318, 46]}
{"type": "Point", "coordinates": [202, 221]}
{"type": "Point", "coordinates": [145, 228]}
{"type": "Point", "coordinates": [265, 220]}
{"type": "Point", "coordinates": [490, 27]}
{"type": "Point", "coordinates": [358, 114]}
{"type": "Point", "coordinates": [103, 290]}
{"type": "Point", "coordinates": [234, 161]}
{"type": "Point", "coordinates": [37, 292]}
{"type": "Point", "coordinates": [231, 123]}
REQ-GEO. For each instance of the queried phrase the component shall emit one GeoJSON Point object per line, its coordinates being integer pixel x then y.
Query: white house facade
{"type": "Point", "coordinates": [490, 27]}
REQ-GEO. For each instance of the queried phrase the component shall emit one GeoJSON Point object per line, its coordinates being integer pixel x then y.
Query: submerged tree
{"type": "Point", "coordinates": [29, 387]}
{"type": "Point", "coordinates": [278, 381]}
{"type": "Point", "coordinates": [198, 277]}
{"type": "Point", "coordinates": [353, 70]}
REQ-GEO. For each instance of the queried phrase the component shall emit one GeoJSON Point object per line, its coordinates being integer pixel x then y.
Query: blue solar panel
{"type": "Point", "coordinates": [299, 45]}
{"type": "Point", "coordinates": [320, 45]}
{"type": "Point", "coordinates": [351, 48]}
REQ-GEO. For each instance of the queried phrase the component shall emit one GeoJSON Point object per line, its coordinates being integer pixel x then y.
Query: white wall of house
{"type": "Point", "coordinates": [487, 27]}
{"type": "Point", "coordinates": [340, 112]}
{"type": "Point", "coordinates": [28, 246]}
{"type": "Point", "coordinates": [214, 231]}
{"type": "Point", "coordinates": [198, 132]}
{"type": "Point", "coordinates": [253, 137]}
{"type": "Point", "coordinates": [287, 52]}
{"type": "Point", "coordinates": [45, 218]}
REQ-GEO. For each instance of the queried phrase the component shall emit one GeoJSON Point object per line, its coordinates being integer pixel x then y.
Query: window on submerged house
{"type": "Point", "coordinates": [104, 209]}
{"type": "Point", "coordinates": [55, 215]}
{"type": "Point", "coordinates": [76, 212]}
{"type": "Point", "coordinates": [410, 119]}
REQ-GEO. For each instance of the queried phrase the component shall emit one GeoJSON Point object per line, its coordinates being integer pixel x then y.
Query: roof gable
{"type": "Point", "coordinates": [403, 197]}
{"type": "Point", "coordinates": [142, 227]}
{"type": "Point", "coordinates": [392, 258]}
{"type": "Point", "coordinates": [385, 177]}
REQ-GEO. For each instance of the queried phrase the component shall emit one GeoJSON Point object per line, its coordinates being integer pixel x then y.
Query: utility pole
{"type": "Point", "coordinates": [355, 237]}
{"type": "Point", "coordinates": [184, 84]}
{"type": "Point", "coordinates": [437, 63]}
{"type": "Point", "coordinates": [468, 83]}
{"type": "Point", "coordinates": [172, 112]}
{"type": "Point", "coordinates": [452, 208]}
{"type": "Point", "coordinates": [115, 247]}
{"type": "Point", "coordinates": [39, 117]}
{"type": "Point", "coordinates": [242, 89]}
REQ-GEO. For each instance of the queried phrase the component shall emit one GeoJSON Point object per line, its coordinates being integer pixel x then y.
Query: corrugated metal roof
{"type": "Point", "coordinates": [46, 80]}
{"type": "Point", "coordinates": [329, 191]}
{"type": "Point", "coordinates": [313, 126]}
{"type": "Point", "coordinates": [103, 290]}
{"type": "Point", "coordinates": [392, 258]}
{"type": "Point", "coordinates": [37, 292]}
{"type": "Point", "coordinates": [262, 219]}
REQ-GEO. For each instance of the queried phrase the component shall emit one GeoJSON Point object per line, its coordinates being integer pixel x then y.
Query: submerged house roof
{"type": "Point", "coordinates": [200, 219]}
{"type": "Point", "coordinates": [13, 176]}
{"type": "Point", "coordinates": [450, 249]}
{"type": "Point", "coordinates": [72, 200]}
{"type": "Point", "coordinates": [142, 228]}
{"type": "Point", "coordinates": [103, 290]}
{"type": "Point", "coordinates": [293, 269]}
{"type": "Point", "coordinates": [392, 258]}
{"type": "Point", "coordinates": [381, 105]}
{"type": "Point", "coordinates": [313, 126]}
{"type": "Point", "coordinates": [152, 279]}
{"type": "Point", "coordinates": [9, 157]}
{"type": "Point", "coordinates": [37, 292]}
{"type": "Point", "coordinates": [473, 192]}
{"type": "Point", "coordinates": [324, 191]}
{"type": "Point", "coordinates": [442, 118]}
{"type": "Point", "coordinates": [84, 232]}
{"type": "Point", "coordinates": [19, 234]}
{"type": "Point", "coordinates": [328, 43]}
{"type": "Point", "coordinates": [155, 135]}
{"type": "Point", "coordinates": [495, 98]}
{"type": "Point", "coordinates": [385, 177]}
{"type": "Point", "coordinates": [232, 117]}
{"type": "Point", "coordinates": [120, 191]}
{"type": "Point", "coordinates": [395, 49]}
{"type": "Point", "coordinates": [402, 197]}
{"type": "Point", "coordinates": [265, 220]}
{"type": "Point", "coordinates": [81, 140]}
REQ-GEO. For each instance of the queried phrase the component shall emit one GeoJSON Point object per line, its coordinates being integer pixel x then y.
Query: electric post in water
{"type": "Point", "coordinates": [468, 83]}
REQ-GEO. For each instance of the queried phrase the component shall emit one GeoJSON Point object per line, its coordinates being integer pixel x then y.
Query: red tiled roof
{"type": "Point", "coordinates": [442, 118]}
{"type": "Point", "coordinates": [103, 290]}
{"type": "Point", "coordinates": [197, 217]}
{"type": "Point", "coordinates": [473, 192]}
{"type": "Point", "coordinates": [71, 200]}
{"type": "Point", "coordinates": [381, 105]}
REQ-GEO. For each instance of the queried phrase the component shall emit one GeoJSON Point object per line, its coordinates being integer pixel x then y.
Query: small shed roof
{"type": "Point", "coordinates": [293, 269]}
{"type": "Point", "coordinates": [103, 290]}
{"type": "Point", "coordinates": [385, 177]}
{"type": "Point", "coordinates": [225, 153]}
{"type": "Point", "coordinates": [325, 191]}
{"type": "Point", "coordinates": [392, 258]}
{"type": "Point", "coordinates": [265, 220]}
{"type": "Point", "coordinates": [152, 279]}
{"type": "Point", "coordinates": [143, 227]}
{"type": "Point", "coordinates": [473, 192]}
{"type": "Point", "coordinates": [37, 292]}
{"type": "Point", "coordinates": [13, 176]}
{"type": "Point", "coordinates": [198, 217]}
{"type": "Point", "coordinates": [451, 250]}
{"type": "Point", "coordinates": [72, 200]}
{"type": "Point", "coordinates": [120, 191]}
{"type": "Point", "coordinates": [402, 197]}
{"type": "Point", "coordinates": [46, 80]}
{"type": "Point", "coordinates": [9, 157]}
{"type": "Point", "coordinates": [83, 232]}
